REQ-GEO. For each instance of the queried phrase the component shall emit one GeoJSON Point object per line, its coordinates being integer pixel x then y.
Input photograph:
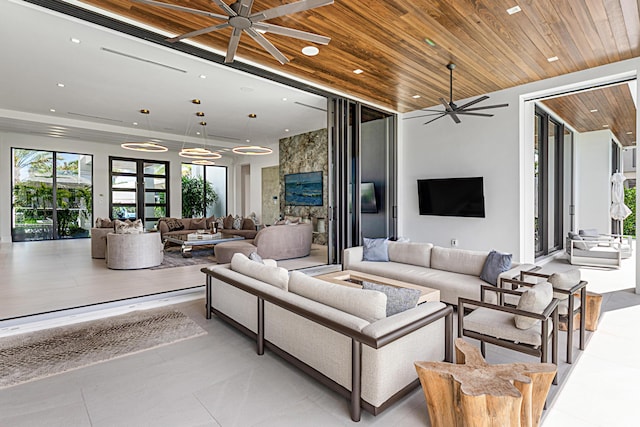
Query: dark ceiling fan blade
{"type": "Point", "coordinates": [454, 117]}
{"type": "Point", "coordinates": [425, 115]}
{"type": "Point", "coordinates": [475, 101]}
{"type": "Point", "coordinates": [486, 107]}
{"type": "Point", "coordinates": [227, 9]}
{"type": "Point", "coordinates": [447, 107]}
{"type": "Point", "coordinates": [183, 9]}
{"type": "Point", "coordinates": [198, 32]}
{"type": "Point", "coordinates": [233, 45]}
{"type": "Point", "coordinates": [266, 45]}
{"type": "Point", "coordinates": [474, 114]}
{"type": "Point", "coordinates": [288, 9]}
{"type": "Point", "coordinates": [433, 120]}
{"type": "Point", "coordinates": [290, 32]}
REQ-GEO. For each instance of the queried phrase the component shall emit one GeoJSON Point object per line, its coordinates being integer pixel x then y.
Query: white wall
{"type": "Point", "coordinates": [101, 153]}
{"type": "Point", "coordinates": [256, 163]}
{"type": "Point", "coordinates": [593, 185]}
{"type": "Point", "coordinates": [500, 149]}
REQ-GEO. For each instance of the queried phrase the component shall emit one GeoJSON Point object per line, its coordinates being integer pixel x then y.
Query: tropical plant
{"type": "Point", "coordinates": [629, 225]}
{"type": "Point", "coordinates": [197, 194]}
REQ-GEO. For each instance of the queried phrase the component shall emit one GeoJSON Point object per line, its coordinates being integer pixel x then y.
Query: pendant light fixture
{"type": "Point", "coordinates": [147, 146]}
{"type": "Point", "coordinates": [201, 155]}
{"type": "Point", "coordinates": [251, 150]}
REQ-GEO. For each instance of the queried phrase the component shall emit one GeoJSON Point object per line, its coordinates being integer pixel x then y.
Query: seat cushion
{"type": "Point", "coordinates": [458, 260]}
{"type": "Point", "coordinates": [499, 324]}
{"type": "Point", "coordinates": [565, 280]}
{"type": "Point", "coordinates": [276, 276]}
{"type": "Point", "coordinates": [534, 300]}
{"type": "Point", "coordinates": [410, 253]}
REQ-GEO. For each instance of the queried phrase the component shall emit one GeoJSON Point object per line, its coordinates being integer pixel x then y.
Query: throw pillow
{"type": "Point", "coordinates": [534, 300]}
{"type": "Point", "coordinates": [253, 256]}
{"type": "Point", "coordinates": [589, 233]}
{"type": "Point", "coordinates": [128, 227]}
{"type": "Point", "coordinates": [564, 281]}
{"type": "Point", "coordinates": [375, 250]}
{"type": "Point", "coordinates": [220, 223]}
{"type": "Point", "coordinates": [579, 242]}
{"type": "Point", "coordinates": [198, 224]}
{"type": "Point", "coordinates": [237, 223]}
{"type": "Point", "coordinates": [248, 224]}
{"type": "Point", "coordinates": [228, 222]}
{"type": "Point", "coordinates": [495, 264]}
{"type": "Point", "coordinates": [275, 276]}
{"type": "Point", "coordinates": [174, 224]}
{"type": "Point", "coordinates": [398, 299]}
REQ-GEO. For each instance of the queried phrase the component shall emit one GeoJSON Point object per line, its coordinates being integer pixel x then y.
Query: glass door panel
{"type": "Point", "coordinates": [74, 191]}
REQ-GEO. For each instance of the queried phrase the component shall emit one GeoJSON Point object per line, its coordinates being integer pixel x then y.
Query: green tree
{"type": "Point", "coordinates": [194, 189]}
{"type": "Point", "coordinates": [629, 225]}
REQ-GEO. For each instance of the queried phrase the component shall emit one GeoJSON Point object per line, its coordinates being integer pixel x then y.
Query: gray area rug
{"type": "Point", "coordinates": [41, 354]}
{"type": "Point", "coordinates": [173, 257]}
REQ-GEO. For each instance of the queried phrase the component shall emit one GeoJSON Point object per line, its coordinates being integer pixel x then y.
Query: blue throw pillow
{"type": "Point", "coordinates": [375, 250]}
{"type": "Point", "coordinates": [495, 264]}
{"type": "Point", "coordinates": [398, 299]}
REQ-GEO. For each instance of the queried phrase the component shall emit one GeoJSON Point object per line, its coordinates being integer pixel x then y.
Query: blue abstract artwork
{"type": "Point", "coordinates": [303, 189]}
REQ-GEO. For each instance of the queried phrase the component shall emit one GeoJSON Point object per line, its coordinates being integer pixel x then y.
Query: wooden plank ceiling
{"type": "Point", "coordinates": [611, 108]}
{"type": "Point", "coordinates": [386, 39]}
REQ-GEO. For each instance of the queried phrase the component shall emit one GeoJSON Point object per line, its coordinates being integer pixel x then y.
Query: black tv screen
{"type": "Point", "coordinates": [451, 197]}
{"type": "Point", "coordinates": [368, 203]}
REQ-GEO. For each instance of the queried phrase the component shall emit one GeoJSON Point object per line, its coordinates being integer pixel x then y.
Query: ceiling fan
{"type": "Point", "coordinates": [239, 17]}
{"type": "Point", "coordinates": [452, 110]}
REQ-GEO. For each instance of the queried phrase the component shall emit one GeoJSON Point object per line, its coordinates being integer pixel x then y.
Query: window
{"type": "Point", "coordinates": [204, 190]}
{"type": "Point", "coordinates": [52, 199]}
{"type": "Point", "coordinates": [139, 189]}
{"type": "Point", "coordinates": [549, 182]}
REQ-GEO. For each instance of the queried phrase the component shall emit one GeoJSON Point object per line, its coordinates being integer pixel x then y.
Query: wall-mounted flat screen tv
{"type": "Point", "coordinates": [451, 197]}
{"type": "Point", "coordinates": [303, 189]}
{"type": "Point", "coordinates": [368, 203]}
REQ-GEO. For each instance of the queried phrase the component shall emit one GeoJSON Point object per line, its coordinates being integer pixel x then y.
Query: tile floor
{"type": "Point", "coordinates": [218, 380]}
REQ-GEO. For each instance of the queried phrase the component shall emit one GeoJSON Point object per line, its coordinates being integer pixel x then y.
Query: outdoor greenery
{"type": "Point", "coordinates": [194, 189]}
{"type": "Point", "coordinates": [629, 226]}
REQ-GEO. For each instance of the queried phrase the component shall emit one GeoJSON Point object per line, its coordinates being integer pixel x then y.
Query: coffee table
{"type": "Point", "coordinates": [355, 278]}
{"type": "Point", "coordinates": [189, 240]}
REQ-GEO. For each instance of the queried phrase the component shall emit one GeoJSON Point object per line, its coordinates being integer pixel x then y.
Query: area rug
{"type": "Point", "coordinates": [173, 257]}
{"type": "Point", "coordinates": [41, 354]}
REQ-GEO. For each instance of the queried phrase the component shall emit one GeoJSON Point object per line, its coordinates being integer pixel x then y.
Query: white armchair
{"type": "Point", "coordinates": [133, 251]}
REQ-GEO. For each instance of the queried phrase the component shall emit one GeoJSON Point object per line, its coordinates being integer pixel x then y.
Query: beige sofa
{"type": "Point", "coordinates": [248, 229]}
{"type": "Point", "coordinates": [337, 334]}
{"type": "Point", "coordinates": [454, 272]}
{"type": "Point", "coordinates": [276, 242]}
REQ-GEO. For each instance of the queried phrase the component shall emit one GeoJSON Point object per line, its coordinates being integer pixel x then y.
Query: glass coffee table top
{"type": "Point", "coordinates": [188, 240]}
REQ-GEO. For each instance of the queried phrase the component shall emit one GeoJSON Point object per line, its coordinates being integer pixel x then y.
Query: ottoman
{"type": "Point", "coordinates": [225, 251]}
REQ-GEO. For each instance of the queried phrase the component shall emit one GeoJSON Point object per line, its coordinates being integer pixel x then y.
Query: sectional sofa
{"type": "Point", "coordinates": [454, 272]}
{"type": "Point", "coordinates": [336, 334]}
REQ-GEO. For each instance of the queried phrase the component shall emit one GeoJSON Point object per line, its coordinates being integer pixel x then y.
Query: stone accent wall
{"type": "Point", "coordinates": [307, 152]}
{"type": "Point", "coordinates": [270, 188]}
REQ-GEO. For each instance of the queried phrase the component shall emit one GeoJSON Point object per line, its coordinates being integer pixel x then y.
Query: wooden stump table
{"type": "Point", "coordinates": [474, 393]}
{"type": "Point", "coordinates": [593, 306]}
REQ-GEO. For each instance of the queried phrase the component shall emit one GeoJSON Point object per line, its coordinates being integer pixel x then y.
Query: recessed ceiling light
{"type": "Point", "coordinates": [310, 50]}
{"type": "Point", "coordinates": [416, 96]}
{"type": "Point", "coordinates": [605, 126]}
{"type": "Point", "coordinates": [629, 133]}
{"type": "Point", "coordinates": [284, 99]}
{"type": "Point", "coordinates": [202, 76]}
{"type": "Point", "coordinates": [197, 133]}
{"type": "Point", "coordinates": [595, 110]}
{"type": "Point", "coordinates": [75, 40]}
{"type": "Point", "coordinates": [358, 71]}
{"type": "Point", "coordinates": [53, 110]}
{"type": "Point", "coordinates": [135, 123]}
{"type": "Point", "coordinates": [514, 9]}
{"type": "Point", "coordinates": [552, 59]}
{"type": "Point", "coordinates": [286, 130]}
{"type": "Point", "coordinates": [430, 42]}
{"type": "Point", "coordinates": [60, 84]}
{"type": "Point", "coordinates": [196, 101]}
{"type": "Point", "coordinates": [247, 140]}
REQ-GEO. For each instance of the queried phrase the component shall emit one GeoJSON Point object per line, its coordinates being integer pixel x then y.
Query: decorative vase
{"type": "Point", "coordinates": [321, 225]}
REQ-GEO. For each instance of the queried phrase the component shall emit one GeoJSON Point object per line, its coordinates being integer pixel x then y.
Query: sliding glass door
{"type": "Point", "coordinates": [139, 190]}
{"type": "Point", "coordinates": [204, 190]}
{"type": "Point", "coordinates": [52, 195]}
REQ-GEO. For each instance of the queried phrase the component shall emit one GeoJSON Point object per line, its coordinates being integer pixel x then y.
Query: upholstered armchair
{"type": "Point", "coordinates": [134, 251]}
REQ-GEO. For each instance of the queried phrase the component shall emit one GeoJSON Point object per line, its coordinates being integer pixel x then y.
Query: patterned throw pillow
{"type": "Point", "coordinates": [253, 256]}
{"type": "Point", "coordinates": [220, 223]}
{"type": "Point", "coordinates": [104, 223]}
{"type": "Point", "coordinates": [128, 227]}
{"type": "Point", "coordinates": [398, 299]}
{"type": "Point", "coordinates": [174, 224]}
{"type": "Point", "coordinates": [237, 223]}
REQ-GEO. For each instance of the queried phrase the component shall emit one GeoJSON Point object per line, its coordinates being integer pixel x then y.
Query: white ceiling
{"type": "Point", "coordinates": [108, 77]}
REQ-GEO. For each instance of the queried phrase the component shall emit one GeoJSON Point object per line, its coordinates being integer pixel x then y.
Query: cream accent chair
{"type": "Point", "coordinates": [134, 251]}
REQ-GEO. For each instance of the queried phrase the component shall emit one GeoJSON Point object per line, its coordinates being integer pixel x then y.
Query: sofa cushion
{"type": "Point", "coordinates": [365, 304]}
{"type": "Point", "coordinates": [104, 223]}
{"type": "Point", "coordinates": [565, 280]}
{"type": "Point", "coordinates": [375, 250]}
{"type": "Point", "coordinates": [237, 223]}
{"type": "Point", "coordinates": [276, 276]}
{"type": "Point", "coordinates": [228, 222]}
{"type": "Point", "coordinates": [410, 253]}
{"type": "Point", "coordinates": [174, 224]}
{"type": "Point", "coordinates": [248, 224]}
{"type": "Point", "coordinates": [579, 243]}
{"type": "Point", "coordinates": [499, 324]}
{"type": "Point", "coordinates": [198, 224]}
{"type": "Point", "coordinates": [535, 300]}
{"type": "Point", "coordinates": [220, 223]}
{"type": "Point", "coordinates": [128, 227]}
{"type": "Point", "coordinates": [458, 260]}
{"type": "Point", "coordinates": [496, 263]}
{"type": "Point", "coordinates": [398, 299]}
